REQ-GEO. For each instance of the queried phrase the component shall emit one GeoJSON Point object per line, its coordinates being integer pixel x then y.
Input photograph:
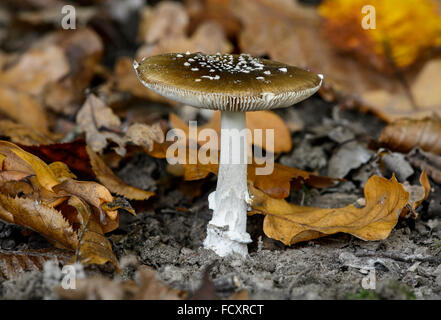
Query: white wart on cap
{"type": "Point", "coordinates": [227, 82]}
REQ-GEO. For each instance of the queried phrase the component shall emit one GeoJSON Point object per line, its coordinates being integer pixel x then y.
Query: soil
{"type": "Point", "coordinates": [168, 234]}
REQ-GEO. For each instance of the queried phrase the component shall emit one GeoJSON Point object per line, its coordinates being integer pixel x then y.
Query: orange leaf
{"type": "Point", "coordinates": [385, 199]}
{"type": "Point", "coordinates": [263, 120]}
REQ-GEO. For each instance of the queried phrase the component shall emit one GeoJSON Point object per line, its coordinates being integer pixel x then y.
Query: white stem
{"type": "Point", "coordinates": [226, 232]}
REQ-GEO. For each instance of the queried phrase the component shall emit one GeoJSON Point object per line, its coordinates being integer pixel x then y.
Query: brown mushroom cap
{"type": "Point", "coordinates": [227, 82]}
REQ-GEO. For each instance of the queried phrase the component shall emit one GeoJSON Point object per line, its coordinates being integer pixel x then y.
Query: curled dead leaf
{"type": "Point", "coordinates": [93, 247]}
{"type": "Point", "coordinates": [14, 263]}
{"type": "Point", "coordinates": [100, 124]}
{"type": "Point", "coordinates": [405, 134]}
{"type": "Point", "coordinates": [106, 176]}
{"type": "Point", "coordinates": [385, 200]}
{"type": "Point", "coordinates": [36, 216]}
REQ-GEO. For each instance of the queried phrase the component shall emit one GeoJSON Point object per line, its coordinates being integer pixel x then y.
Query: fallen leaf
{"type": "Point", "coordinates": [22, 108]}
{"type": "Point", "coordinates": [143, 135]}
{"type": "Point", "coordinates": [73, 154]}
{"type": "Point", "coordinates": [36, 216]}
{"type": "Point", "coordinates": [84, 49]}
{"type": "Point", "coordinates": [19, 133]}
{"type": "Point", "coordinates": [160, 35]}
{"type": "Point", "coordinates": [100, 124]}
{"type": "Point", "coordinates": [417, 194]}
{"type": "Point", "coordinates": [405, 134]}
{"type": "Point", "coordinates": [92, 192]}
{"type": "Point", "coordinates": [44, 174]}
{"type": "Point", "coordinates": [348, 156]}
{"type": "Point", "coordinates": [278, 184]}
{"type": "Point", "coordinates": [94, 116]}
{"type": "Point", "coordinates": [385, 200]}
{"type": "Point", "coordinates": [106, 176]}
{"type": "Point", "coordinates": [262, 120]}
{"type": "Point", "coordinates": [39, 203]}
{"type": "Point", "coordinates": [100, 288]}
{"type": "Point", "coordinates": [93, 247]}
{"type": "Point", "coordinates": [13, 263]}
{"type": "Point", "coordinates": [427, 162]}
{"type": "Point", "coordinates": [166, 20]}
{"type": "Point", "coordinates": [219, 11]}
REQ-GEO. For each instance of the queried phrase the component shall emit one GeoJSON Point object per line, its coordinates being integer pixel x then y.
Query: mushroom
{"type": "Point", "coordinates": [234, 84]}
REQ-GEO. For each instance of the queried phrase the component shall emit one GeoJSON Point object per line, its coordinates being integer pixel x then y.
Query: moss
{"type": "Point", "coordinates": [363, 294]}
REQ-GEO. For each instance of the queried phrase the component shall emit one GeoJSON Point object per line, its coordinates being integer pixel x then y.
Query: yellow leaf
{"type": "Point", "coordinates": [385, 199]}
{"type": "Point", "coordinates": [61, 171]}
{"type": "Point", "coordinates": [44, 174]}
{"type": "Point", "coordinates": [93, 246]}
{"type": "Point", "coordinates": [409, 27]}
{"type": "Point", "coordinates": [45, 220]}
{"type": "Point", "coordinates": [92, 192]}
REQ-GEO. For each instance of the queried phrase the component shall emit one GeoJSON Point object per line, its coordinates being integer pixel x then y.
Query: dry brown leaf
{"type": "Point", "coordinates": [209, 37]}
{"type": "Point", "coordinates": [36, 69]}
{"type": "Point", "coordinates": [12, 163]}
{"type": "Point", "coordinates": [143, 135]}
{"type": "Point", "coordinates": [106, 176]}
{"type": "Point", "coordinates": [213, 10]}
{"type": "Point", "coordinates": [93, 246]}
{"type": "Point", "coordinates": [291, 33]}
{"type": "Point", "coordinates": [167, 20]}
{"type": "Point", "coordinates": [417, 194]}
{"type": "Point", "coordinates": [93, 116]}
{"type": "Point", "coordinates": [23, 108]}
{"type": "Point", "coordinates": [100, 288]}
{"type": "Point", "coordinates": [385, 200]}
{"type": "Point", "coordinates": [427, 162]}
{"type": "Point", "coordinates": [161, 36]}
{"type": "Point", "coordinates": [100, 124]}
{"type": "Point", "coordinates": [278, 184]}
{"type": "Point", "coordinates": [92, 192]}
{"type": "Point", "coordinates": [255, 120]}
{"type": "Point", "coordinates": [65, 95]}
{"type": "Point", "coordinates": [13, 263]}
{"type": "Point", "coordinates": [22, 82]}
{"type": "Point", "coordinates": [405, 134]}
{"type": "Point", "coordinates": [61, 171]}
{"type": "Point", "coordinates": [36, 216]}
{"type": "Point", "coordinates": [39, 203]}
{"type": "Point", "coordinates": [19, 133]}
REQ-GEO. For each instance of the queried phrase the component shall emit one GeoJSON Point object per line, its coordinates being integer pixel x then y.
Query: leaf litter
{"type": "Point", "coordinates": [62, 187]}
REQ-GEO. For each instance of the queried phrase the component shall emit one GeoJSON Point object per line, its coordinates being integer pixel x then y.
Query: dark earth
{"type": "Point", "coordinates": [168, 233]}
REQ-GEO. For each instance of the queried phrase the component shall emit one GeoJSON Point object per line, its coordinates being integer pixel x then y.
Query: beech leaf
{"type": "Point", "coordinates": [385, 200]}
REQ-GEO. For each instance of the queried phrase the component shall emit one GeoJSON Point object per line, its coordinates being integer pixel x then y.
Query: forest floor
{"type": "Point", "coordinates": [407, 265]}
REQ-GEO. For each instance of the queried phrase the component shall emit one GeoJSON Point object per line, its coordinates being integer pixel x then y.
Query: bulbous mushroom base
{"type": "Point", "coordinates": [226, 232]}
{"type": "Point", "coordinates": [231, 237]}
{"type": "Point", "coordinates": [220, 242]}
